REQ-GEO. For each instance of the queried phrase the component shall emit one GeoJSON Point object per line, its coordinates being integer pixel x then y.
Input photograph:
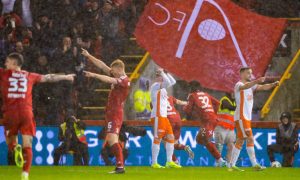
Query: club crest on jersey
{"type": "Point", "coordinates": [250, 97]}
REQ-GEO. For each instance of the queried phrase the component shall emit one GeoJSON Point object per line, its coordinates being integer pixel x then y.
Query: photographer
{"type": "Point", "coordinates": [286, 140]}
{"type": "Point", "coordinates": [71, 133]}
{"type": "Point", "coordinates": [125, 132]}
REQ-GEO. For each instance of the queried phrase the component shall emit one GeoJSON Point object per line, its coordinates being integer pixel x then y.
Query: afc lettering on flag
{"type": "Point", "coordinates": [197, 39]}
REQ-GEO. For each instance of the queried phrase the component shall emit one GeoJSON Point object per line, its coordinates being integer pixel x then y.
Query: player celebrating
{"type": "Point", "coordinates": [175, 120]}
{"type": "Point", "coordinates": [243, 92]}
{"type": "Point", "coordinates": [16, 88]}
{"type": "Point", "coordinates": [114, 109]}
{"type": "Point", "coordinates": [162, 127]}
{"type": "Point", "coordinates": [205, 107]}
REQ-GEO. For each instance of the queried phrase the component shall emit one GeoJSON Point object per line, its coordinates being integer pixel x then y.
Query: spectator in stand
{"type": "Point", "coordinates": [65, 60]}
{"type": "Point", "coordinates": [91, 16]}
{"type": "Point", "coordinates": [66, 16]}
{"type": "Point", "coordinates": [109, 28]}
{"type": "Point", "coordinates": [9, 22]}
{"type": "Point", "coordinates": [65, 56]}
{"type": "Point", "coordinates": [28, 53]}
{"type": "Point", "coordinates": [77, 32]}
{"type": "Point", "coordinates": [8, 6]}
{"type": "Point", "coordinates": [19, 47]}
{"type": "Point", "coordinates": [44, 34]}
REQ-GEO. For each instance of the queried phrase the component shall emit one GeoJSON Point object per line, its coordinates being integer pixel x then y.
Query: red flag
{"type": "Point", "coordinates": [208, 40]}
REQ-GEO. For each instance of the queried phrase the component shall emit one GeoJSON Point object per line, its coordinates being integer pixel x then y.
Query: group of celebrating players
{"type": "Point", "coordinates": [16, 88]}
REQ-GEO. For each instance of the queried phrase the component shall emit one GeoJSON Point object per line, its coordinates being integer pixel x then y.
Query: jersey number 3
{"type": "Point", "coordinates": [17, 85]}
{"type": "Point", "coordinates": [205, 102]}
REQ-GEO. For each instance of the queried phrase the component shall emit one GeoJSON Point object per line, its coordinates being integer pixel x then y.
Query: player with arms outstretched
{"type": "Point", "coordinates": [114, 109]}
{"type": "Point", "coordinates": [175, 120]}
{"type": "Point", "coordinates": [243, 92]}
{"type": "Point", "coordinates": [205, 107]}
{"type": "Point", "coordinates": [161, 125]}
{"type": "Point", "coordinates": [16, 88]}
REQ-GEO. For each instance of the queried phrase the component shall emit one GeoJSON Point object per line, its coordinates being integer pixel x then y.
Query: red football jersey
{"type": "Point", "coordinates": [16, 89]}
{"type": "Point", "coordinates": [203, 104]}
{"type": "Point", "coordinates": [116, 99]}
{"type": "Point", "coordinates": [173, 114]}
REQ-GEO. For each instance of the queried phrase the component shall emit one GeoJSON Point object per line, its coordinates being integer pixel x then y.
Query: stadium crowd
{"type": "Point", "coordinates": [50, 34]}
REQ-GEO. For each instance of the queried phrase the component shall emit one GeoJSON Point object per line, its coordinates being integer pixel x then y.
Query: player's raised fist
{"type": "Point", "coordinates": [84, 52]}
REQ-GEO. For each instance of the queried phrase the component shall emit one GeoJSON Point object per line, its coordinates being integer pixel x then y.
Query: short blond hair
{"type": "Point", "coordinates": [118, 63]}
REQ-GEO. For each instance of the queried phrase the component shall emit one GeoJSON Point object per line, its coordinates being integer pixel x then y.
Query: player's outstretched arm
{"type": "Point", "coordinates": [267, 87]}
{"type": "Point", "coordinates": [100, 77]}
{"type": "Point", "coordinates": [57, 77]}
{"type": "Point", "coordinates": [190, 104]}
{"type": "Point", "coordinates": [181, 103]}
{"type": "Point", "coordinates": [252, 83]}
{"type": "Point", "coordinates": [97, 62]}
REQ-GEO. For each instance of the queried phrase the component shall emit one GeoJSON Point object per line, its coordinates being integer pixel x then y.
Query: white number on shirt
{"type": "Point", "coordinates": [205, 102]}
{"type": "Point", "coordinates": [17, 85]}
{"type": "Point", "coordinates": [169, 107]}
{"type": "Point", "coordinates": [109, 125]}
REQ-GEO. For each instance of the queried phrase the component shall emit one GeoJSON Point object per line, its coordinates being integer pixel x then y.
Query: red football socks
{"type": "Point", "coordinates": [117, 151]}
{"type": "Point", "coordinates": [213, 150]}
{"type": "Point", "coordinates": [179, 146]}
{"type": "Point", "coordinates": [174, 158]}
{"type": "Point", "coordinates": [27, 155]}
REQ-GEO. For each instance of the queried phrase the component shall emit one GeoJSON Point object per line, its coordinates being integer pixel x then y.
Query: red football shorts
{"type": "Point", "coordinates": [113, 126]}
{"type": "Point", "coordinates": [207, 129]}
{"type": "Point", "coordinates": [176, 126]}
{"type": "Point", "coordinates": [19, 121]}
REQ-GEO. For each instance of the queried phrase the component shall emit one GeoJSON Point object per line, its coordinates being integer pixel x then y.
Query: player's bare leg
{"type": "Point", "coordinates": [251, 154]}
{"type": "Point", "coordinates": [27, 154]}
{"type": "Point", "coordinates": [11, 142]}
{"type": "Point", "coordinates": [235, 155]}
{"type": "Point", "coordinates": [113, 141]}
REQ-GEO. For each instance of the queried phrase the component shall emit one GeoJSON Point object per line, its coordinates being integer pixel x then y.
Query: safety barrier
{"type": "Point", "coordinates": [136, 72]}
{"type": "Point", "coordinates": [187, 123]}
{"type": "Point", "coordinates": [287, 75]}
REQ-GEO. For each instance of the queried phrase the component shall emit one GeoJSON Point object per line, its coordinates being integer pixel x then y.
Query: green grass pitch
{"type": "Point", "coordinates": [144, 173]}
